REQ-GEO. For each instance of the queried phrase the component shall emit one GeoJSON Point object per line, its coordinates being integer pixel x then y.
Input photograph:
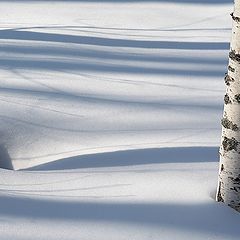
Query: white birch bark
{"type": "Point", "coordinates": [229, 173]}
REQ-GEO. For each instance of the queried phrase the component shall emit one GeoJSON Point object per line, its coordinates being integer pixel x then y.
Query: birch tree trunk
{"type": "Point", "coordinates": [229, 173]}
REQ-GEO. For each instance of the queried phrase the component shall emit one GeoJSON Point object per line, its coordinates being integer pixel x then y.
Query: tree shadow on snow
{"type": "Point", "coordinates": [134, 157]}
{"type": "Point", "coordinates": [134, 1]}
{"type": "Point", "coordinates": [110, 42]}
{"type": "Point", "coordinates": [92, 59]}
{"type": "Point", "coordinates": [204, 218]}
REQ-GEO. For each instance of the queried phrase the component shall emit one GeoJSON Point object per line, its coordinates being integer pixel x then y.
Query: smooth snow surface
{"type": "Point", "coordinates": [111, 110]}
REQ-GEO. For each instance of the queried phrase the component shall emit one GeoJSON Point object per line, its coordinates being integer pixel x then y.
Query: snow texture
{"type": "Point", "coordinates": [111, 110]}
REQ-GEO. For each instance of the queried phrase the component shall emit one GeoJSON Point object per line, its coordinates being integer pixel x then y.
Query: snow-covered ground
{"type": "Point", "coordinates": [111, 110]}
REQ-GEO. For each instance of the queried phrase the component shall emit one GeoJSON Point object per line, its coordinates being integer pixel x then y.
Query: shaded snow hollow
{"type": "Point", "coordinates": [111, 110]}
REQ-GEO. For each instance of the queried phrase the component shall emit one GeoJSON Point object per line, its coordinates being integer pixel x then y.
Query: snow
{"type": "Point", "coordinates": [110, 111]}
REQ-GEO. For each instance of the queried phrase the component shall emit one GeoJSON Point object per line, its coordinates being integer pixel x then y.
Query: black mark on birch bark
{"type": "Point", "coordinates": [236, 180]}
{"type": "Point", "coordinates": [235, 206]}
{"type": "Point", "coordinates": [222, 167]}
{"type": "Point", "coordinates": [227, 99]}
{"type": "Point", "coordinates": [219, 195]}
{"type": "Point", "coordinates": [234, 56]}
{"type": "Point", "coordinates": [229, 124]}
{"type": "Point", "coordinates": [237, 98]}
{"type": "Point", "coordinates": [231, 69]}
{"type": "Point", "coordinates": [228, 80]}
{"type": "Point", "coordinates": [236, 19]}
{"type": "Point", "coordinates": [236, 189]}
{"type": "Point", "coordinates": [229, 144]}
